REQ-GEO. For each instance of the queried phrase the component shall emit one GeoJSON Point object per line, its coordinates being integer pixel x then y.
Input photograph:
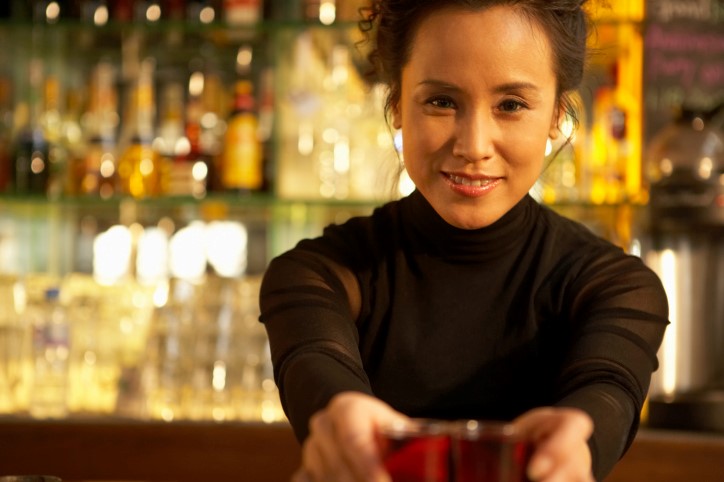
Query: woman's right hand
{"type": "Point", "coordinates": [342, 444]}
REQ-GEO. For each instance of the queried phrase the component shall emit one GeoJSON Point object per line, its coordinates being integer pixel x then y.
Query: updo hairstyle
{"type": "Point", "coordinates": [391, 25]}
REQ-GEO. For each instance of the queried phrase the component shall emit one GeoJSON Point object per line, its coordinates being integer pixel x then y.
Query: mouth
{"type": "Point", "coordinates": [471, 186]}
{"type": "Point", "coordinates": [473, 182]}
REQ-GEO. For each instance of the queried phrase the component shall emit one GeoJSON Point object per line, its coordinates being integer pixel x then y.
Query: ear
{"type": "Point", "coordinates": [395, 116]}
{"type": "Point", "coordinates": [558, 114]}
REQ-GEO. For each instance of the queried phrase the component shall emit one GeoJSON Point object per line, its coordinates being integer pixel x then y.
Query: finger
{"type": "Point", "coordinates": [324, 456]}
{"type": "Point", "coordinates": [359, 449]}
{"type": "Point", "coordinates": [559, 435]}
{"type": "Point", "coordinates": [358, 438]}
{"type": "Point", "coordinates": [300, 476]}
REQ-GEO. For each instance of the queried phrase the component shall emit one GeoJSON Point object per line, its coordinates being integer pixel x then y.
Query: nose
{"type": "Point", "coordinates": [474, 136]}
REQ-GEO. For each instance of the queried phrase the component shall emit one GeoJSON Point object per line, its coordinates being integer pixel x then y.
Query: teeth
{"type": "Point", "coordinates": [469, 182]}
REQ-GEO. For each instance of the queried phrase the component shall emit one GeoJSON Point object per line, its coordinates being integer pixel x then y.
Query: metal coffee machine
{"type": "Point", "coordinates": [685, 246]}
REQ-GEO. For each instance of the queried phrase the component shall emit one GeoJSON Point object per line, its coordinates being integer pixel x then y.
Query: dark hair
{"type": "Point", "coordinates": [391, 26]}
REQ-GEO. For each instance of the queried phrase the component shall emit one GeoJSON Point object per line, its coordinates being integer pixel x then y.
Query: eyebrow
{"type": "Point", "coordinates": [506, 87]}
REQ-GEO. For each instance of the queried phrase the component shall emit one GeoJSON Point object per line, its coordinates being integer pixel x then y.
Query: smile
{"type": "Point", "coordinates": [466, 181]}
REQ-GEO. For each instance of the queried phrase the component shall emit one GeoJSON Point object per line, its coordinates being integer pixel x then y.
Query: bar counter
{"type": "Point", "coordinates": [82, 450]}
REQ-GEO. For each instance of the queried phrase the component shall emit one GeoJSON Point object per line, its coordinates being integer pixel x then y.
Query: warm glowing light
{"type": "Point", "coordinates": [187, 259]}
{"type": "Point", "coordinates": [706, 166]}
{"type": "Point", "coordinates": [244, 56]}
{"type": "Point", "coordinates": [146, 166]}
{"type": "Point", "coordinates": [52, 12]}
{"type": "Point", "coordinates": [226, 243]}
{"type": "Point", "coordinates": [152, 255]}
{"type": "Point", "coordinates": [327, 12]}
{"type": "Point", "coordinates": [669, 279]}
{"type": "Point", "coordinates": [100, 16]}
{"type": "Point", "coordinates": [196, 84]}
{"type": "Point", "coordinates": [207, 15]}
{"type": "Point", "coordinates": [199, 171]}
{"type": "Point", "coordinates": [112, 254]}
{"type": "Point", "coordinates": [37, 164]}
{"type": "Point", "coordinates": [218, 377]}
{"type": "Point", "coordinates": [153, 13]}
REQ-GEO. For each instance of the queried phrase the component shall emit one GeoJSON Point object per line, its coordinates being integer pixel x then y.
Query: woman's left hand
{"type": "Point", "coordinates": [560, 438]}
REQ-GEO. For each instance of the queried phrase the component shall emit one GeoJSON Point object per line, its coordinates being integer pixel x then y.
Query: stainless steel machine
{"type": "Point", "coordinates": [685, 238]}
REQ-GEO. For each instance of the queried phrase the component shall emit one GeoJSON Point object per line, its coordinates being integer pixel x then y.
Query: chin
{"type": "Point", "coordinates": [472, 221]}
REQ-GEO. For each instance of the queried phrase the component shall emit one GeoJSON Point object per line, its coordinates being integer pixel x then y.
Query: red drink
{"type": "Point", "coordinates": [416, 452]}
{"type": "Point", "coordinates": [489, 452]}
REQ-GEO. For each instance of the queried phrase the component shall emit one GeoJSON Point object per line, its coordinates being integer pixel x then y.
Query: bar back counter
{"type": "Point", "coordinates": [133, 451]}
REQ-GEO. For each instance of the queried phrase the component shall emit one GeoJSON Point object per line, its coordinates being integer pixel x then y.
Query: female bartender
{"type": "Point", "coordinates": [466, 299]}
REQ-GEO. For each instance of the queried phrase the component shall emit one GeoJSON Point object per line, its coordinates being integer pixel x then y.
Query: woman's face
{"type": "Point", "coordinates": [477, 104]}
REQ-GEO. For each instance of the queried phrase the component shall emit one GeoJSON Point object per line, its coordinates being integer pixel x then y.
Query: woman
{"type": "Point", "coordinates": [466, 299]}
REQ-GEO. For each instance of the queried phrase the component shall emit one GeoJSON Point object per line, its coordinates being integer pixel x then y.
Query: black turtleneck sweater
{"type": "Point", "coordinates": [442, 322]}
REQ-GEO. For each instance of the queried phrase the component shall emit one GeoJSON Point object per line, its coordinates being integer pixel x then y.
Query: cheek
{"type": "Point", "coordinates": [526, 146]}
{"type": "Point", "coordinates": [426, 136]}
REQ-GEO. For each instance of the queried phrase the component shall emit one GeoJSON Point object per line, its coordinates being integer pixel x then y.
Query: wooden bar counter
{"type": "Point", "coordinates": [130, 450]}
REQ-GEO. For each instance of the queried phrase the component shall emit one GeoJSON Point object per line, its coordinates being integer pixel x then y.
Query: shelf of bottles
{"type": "Point", "coordinates": [141, 196]}
{"type": "Point", "coordinates": [154, 155]}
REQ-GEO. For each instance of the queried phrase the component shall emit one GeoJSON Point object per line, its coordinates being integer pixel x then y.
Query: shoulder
{"type": "Point", "coordinates": [595, 268]}
{"type": "Point", "coordinates": [355, 240]}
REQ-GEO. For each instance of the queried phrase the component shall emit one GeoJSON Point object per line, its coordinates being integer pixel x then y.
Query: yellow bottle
{"type": "Point", "coordinates": [139, 167]}
{"type": "Point", "coordinates": [241, 158]}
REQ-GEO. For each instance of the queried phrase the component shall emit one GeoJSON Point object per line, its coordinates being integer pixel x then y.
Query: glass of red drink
{"type": "Point", "coordinates": [416, 451]}
{"type": "Point", "coordinates": [487, 451]}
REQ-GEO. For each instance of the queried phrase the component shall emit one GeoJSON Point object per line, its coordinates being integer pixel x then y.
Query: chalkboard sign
{"type": "Point", "coordinates": [683, 59]}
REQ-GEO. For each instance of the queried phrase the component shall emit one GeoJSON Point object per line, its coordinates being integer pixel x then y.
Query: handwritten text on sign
{"type": "Point", "coordinates": [683, 57]}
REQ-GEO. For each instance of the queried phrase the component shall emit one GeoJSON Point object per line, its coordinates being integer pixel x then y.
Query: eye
{"type": "Point", "coordinates": [511, 105]}
{"type": "Point", "coordinates": [442, 102]}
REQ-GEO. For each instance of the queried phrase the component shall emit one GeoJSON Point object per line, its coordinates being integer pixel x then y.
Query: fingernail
{"type": "Point", "coordinates": [539, 467]}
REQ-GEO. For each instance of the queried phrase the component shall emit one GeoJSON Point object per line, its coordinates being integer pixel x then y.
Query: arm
{"type": "Point", "coordinates": [619, 313]}
{"type": "Point", "coordinates": [308, 305]}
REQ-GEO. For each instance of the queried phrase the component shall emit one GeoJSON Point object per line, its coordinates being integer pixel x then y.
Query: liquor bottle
{"type": "Point", "coordinates": [93, 171]}
{"type": "Point", "coordinates": [51, 122]}
{"type": "Point", "coordinates": [610, 150]}
{"type": "Point", "coordinates": [6, 126]}
{"type": "Point", "coordinates": [241, 157]}
{"type": "Point", "coordinates": [333, 161]}
{"type": "Point", "coordinates": [208, 107]}
{"type": "Point", "coordinates": [71, 137]}
{"type": "Point", "coordinates": [30, 163]}
{"type": "Point", "coordinates": [299, 128]}
{"type": "Point", "coordinates": [266, 124]}
{"type": "Point", "coordinates": [242, 12]}
{"type": "Point", "coordinates": [139, 170]}
{"type": "Point", "coordinates": [51, 352]}
{"type": "Point", "coordinates": [171, 143]}
{"type": "Point", "coordinates": [199, 159]}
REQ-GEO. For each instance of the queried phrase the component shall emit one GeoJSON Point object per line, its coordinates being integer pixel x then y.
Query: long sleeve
{"type": "Point", "coordinates": [439, 322]}
{"type": "Point", "coordinates": [618, 318]}
{"type": "Point", "coordinates": [314, 343]}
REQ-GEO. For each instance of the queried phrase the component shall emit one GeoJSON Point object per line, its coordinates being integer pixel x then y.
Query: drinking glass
{"type": "Point", "coordinates": [488, 451]}
{"type": "Point", "coordinates": [416, 451]}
